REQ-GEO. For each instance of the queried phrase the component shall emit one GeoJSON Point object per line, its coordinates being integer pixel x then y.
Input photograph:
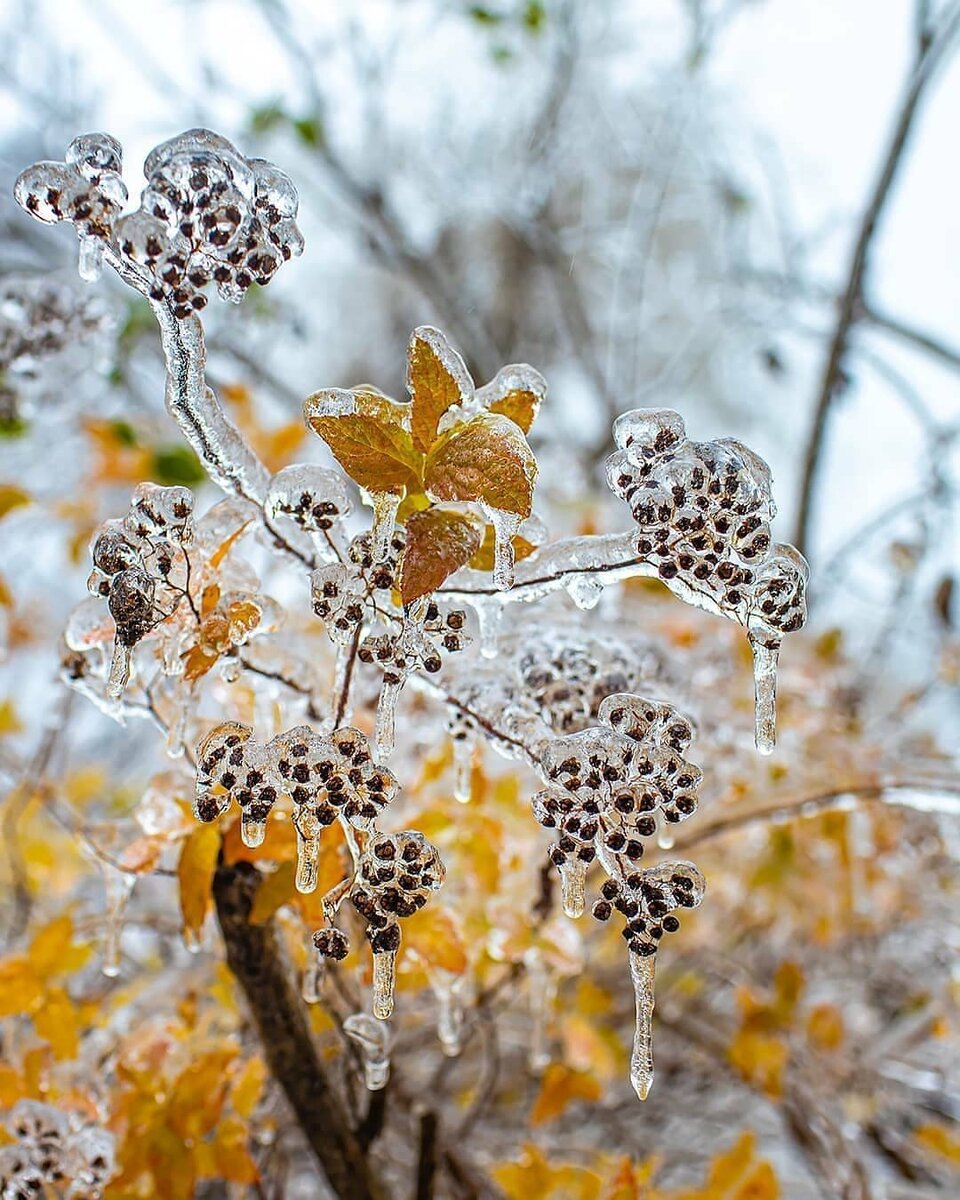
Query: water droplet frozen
{"type": "Point", "coordinates": [765, 658]}
{"type": "Point", "coordinates": [584, 590]}
{"type": "Point", "coordinates": [384, 982]}
{"type": "Point", "coordinates": [373, 1038]}
{"type": "Point", "coordinates": [386, 719]}
{"type": "Point", "coordinates": [573, 877]}
{"type": "Point", "coordinates": [252, 830]}
{"type": "Point", "coordinates": [643, 974]}
{"type": "Point", "coordinates": [90, 262]}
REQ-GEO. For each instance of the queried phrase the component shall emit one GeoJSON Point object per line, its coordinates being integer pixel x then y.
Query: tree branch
{"type": "Point", "coordinates": [930, 55]}
{"type": "Point", "coordinates": [256, 960]}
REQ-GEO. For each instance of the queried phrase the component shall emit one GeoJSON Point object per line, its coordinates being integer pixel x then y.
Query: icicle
{"type": "Point", "coordinates": [90, 263]}
{"type": "Point", "coordinates": [573, 877]}
{"type": "Point", "coordinates": [464, 746]}
{"type": "Point", "coordinates": [119, 885]}
{"type": "Point", "coordinates": [505, 525]}
{"type": "Point", "coordinates": [312, 977]}
{"type": "Point", "coordinates": [765, 658]}
{"type": "Point", "coordinates": [384, 980]}
{"type": "Point", "coordinates": [252, 830]}
{"type": "Point", "coordinates": [584, 590]}
{"type": "Point", "coordinates": [119, 670]}
{"type": "Point", "coordinates": [643, 972]}
{"type": "Point", "coordinates": [308, 852]}
{"type": "Point", "coordinates": [448, 989]}
{"type": "Point", "coordinates": [231, 668]}
{"type": "Point", "coordinates": [385, 505]}
{"type": "Point", "coordinates": [373, 1038]}
{"type": "Point", "coordinates": [489, 612]}
{"type": "Point", "coordinates": [541, 991]}
{"type": "Point", "coordinates": [176, 730]}
{"type": "Point", "coordinates": [386, 720]}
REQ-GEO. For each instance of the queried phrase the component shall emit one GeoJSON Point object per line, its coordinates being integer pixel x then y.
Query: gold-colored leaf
{"type": "Point", "coordinates": [439, 542]}
{"type": "Point", "coordinates": [516, 392]}
{"type": "Point", "coordinates": [560, 1087]}
{"type": "Point", "coordinates": [12, 497]}
{"type": "Point", "coordinates": [434, 935]}
{"type": "Point", "coordinates": [436, 379]}
{"type": "Point", "coordinates": [198, 861]}
{"type": "Point", "coordinates": [198, 661]}
{"type": "Point", "coordinates": [275, 890]}
{"type": "Point", "coordinates": [520, 406]}
{"type": "Point", "coordinates": [488, 461]}
{"type": "Point", "coordinates": [57, 1022]}
{"type": "Point", "coordinates": [368, 435]}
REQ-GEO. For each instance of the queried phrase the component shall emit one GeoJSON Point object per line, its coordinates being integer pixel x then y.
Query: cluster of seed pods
{"type": "Point", "coordinates": [140, 568]}
{"type": "Point", "coordinates": [327, 778]}
{"type": "Point", "coordinates": [53, 1153]}
{"type": "Point", "coordinates": [207, 214]}
{"type": "Point", "coordinates": [608, 786]}
{"type": "Point", "coordinates": [350, 597]}
{"type": "Point", "coordinates": [704, 511]}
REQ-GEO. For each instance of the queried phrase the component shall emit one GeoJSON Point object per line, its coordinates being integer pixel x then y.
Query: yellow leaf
{"type": "Point", "coordinates": [939, 1140]}
{"type": "Point", "coordinates": [434, 936]}
{"type": "Point", "coordinates": [248, 1087]}
{"type": "Point", "coordinates": [439, 542]}
{"type": "Point", "coordinates": [276, 889]}
{"type": "Point", "coordinates": [232, 1152]}
{"type": "Point", "coordinates": [560, 1087]}
{"type": "Point", "coordinates": [825, 1027]}
{"type": "Point", "coordinates": [761, 1059]}
{"type": "Point", "coordinates": [11, 1086]}
{"type": "Point", "coordinates": [533, 1176]}
{"type": "Point", "coordinates": [20, 988]}
{"type": "Point", "coordinates": [517, 392]}
{"type": "Point", "coordinates": [56, 1021]}
{"type": "Point", "coordinates": [51, 946]}
{"type": "Point", "coordinates": [227, 544]}
{"type": "Point", "coordinates": [11, 497]}
{"type": "Point", "coordinates": [198, 861]}
{"type": "Point", "coordinates": [631, 1180]}
{"type": "Point", "coordinates": [488, 461]}
{"type": "Point", "coordinates": [484, 558]}
{"type": "Point", "coordinates": [436, 379]}
{"type": "Point", "coordinates": [9, 719]}
{"type": "Point", "coordinates": [369, 437]}
{"type": "Point", "coordinates": [198, 660]}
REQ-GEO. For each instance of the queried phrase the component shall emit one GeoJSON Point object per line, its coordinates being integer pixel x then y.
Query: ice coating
{"type": "Point", "coordinates": [119, 889]}
{"type": "Point", "coordinates": [50, 1152]}
{"type": "Point", "coordinates": [395, 875]}
{"type": "Point", "coordinates": [312, 498]}
{"type": "Point", "coordinates": [385, 506]}
{"type": "Point", "coordinates": [704, 511]}
{"type": "Point", "coordinates": [643, 975]}
{"type": "Point", "coordinates": [372, 1036]}
{"type": "Point", "coordinates": [448, 990]}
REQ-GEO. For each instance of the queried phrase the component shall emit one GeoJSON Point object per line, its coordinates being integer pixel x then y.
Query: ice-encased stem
{"type": "Point", "coordinates": [541, 991]}
{"type": "Point", "coordinates": [765, 658]}
{"type": "Point", "coordinates": [384, 981]}
{"type": "Point", "coordinates": [385, 505]}
{"type": "Point", "coordinates": [464, 745]}
{"type": "Point", "coordinates": [573, 880]}
{"type": "Point", "coordinates": [643, 974]}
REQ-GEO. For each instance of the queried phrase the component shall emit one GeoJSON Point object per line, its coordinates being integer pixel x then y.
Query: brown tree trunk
{"type": "Point", "coordinates": [255, 957]}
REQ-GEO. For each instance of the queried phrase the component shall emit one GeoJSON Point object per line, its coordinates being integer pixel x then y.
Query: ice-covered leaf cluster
{"type": "Point", "coordinates": [207, 214]}
{"type": "Point", "coordinates": [704, 511]}
{"type": "Point", "coordinates": [53, 1153]}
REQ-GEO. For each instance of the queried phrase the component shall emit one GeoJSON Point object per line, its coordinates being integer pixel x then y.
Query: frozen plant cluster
{"type": "Point", "coordinates": [450, 478]}
{"type": "Point", "coordinates": [53, 1154]}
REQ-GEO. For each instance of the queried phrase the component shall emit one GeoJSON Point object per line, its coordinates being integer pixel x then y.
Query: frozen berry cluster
{"type": "Point", "coordinates": [397, 873]}
{"type": "Point", "coordinates": [648, 900]}
{"type": "Point", "coordinates": [53, 1154]}
{"type": "Point", "coordinates": [704, 511]}
{"type": "Point", "coordinates": [139, 565]}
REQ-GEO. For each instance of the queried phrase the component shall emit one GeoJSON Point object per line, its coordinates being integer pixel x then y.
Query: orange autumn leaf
{"type": "Point", "coordinates": [434, 936]}
{"type": "Point", "coordinates": [487, 461]}
{"type": "Point", "coordinates": [21, 990]}
{"type": "Point", "coordinates": [195, 870]}
{"type": "Point", "coordinates": [436, 380]}
{"type": "Point", "coordinates": [484, 558]}
{"type": "Point", "coordinates": [532, 1175]}
{"type": "Point", "coordinates": [275, 890]}
{"type": "Point", "coordinates": [438, 543]}
{"type": "Point", "coordinates": [560, 1087]}
{"type": "Point", "coordinates": [369, 436]}
{"type": "Point", "coordinates": [58, 1023]}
